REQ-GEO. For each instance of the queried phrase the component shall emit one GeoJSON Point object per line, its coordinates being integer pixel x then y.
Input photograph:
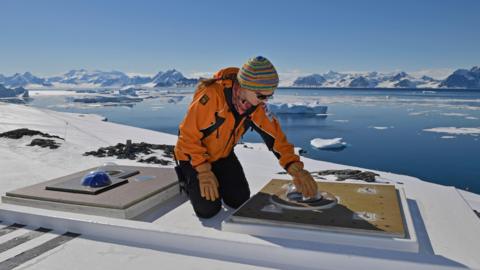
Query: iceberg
{"type": "Point", "coordinates": [297, 108]}
{"type": "Point", "coordinates": [335, 143]}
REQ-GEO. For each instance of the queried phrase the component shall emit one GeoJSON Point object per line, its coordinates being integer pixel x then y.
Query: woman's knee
{"type": "Point", "coordinates": [207, 209]}
{"type": "Point", "coordinates": [237, 200]}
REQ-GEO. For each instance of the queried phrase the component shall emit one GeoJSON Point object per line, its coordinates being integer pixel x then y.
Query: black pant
{"type": "Point", "coordinates": [233, 186]}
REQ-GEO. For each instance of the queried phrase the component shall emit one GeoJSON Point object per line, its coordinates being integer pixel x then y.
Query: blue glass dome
{"type": "Point", "coordinates": [96, 179]}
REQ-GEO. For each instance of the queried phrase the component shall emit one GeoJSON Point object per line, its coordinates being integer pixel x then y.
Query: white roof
{"type": "Point", "coordinates": [446, 226]}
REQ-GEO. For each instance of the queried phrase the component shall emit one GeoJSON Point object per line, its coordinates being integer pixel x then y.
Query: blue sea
{"type": "Point", "coordinates": [383, 129]}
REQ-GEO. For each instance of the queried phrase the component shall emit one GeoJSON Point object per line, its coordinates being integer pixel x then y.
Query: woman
{"type": "Point", "coordinates": [222, 110]}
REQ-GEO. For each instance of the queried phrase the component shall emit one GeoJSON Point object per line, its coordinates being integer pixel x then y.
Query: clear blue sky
{"type": "Point", "coordinates": [50, 37]}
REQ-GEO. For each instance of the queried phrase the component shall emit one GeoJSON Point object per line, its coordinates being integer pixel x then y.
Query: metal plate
{"type": "Point", "coordinates": [74, 184]}
{"type": "Point", "coordinates": [362, 209]}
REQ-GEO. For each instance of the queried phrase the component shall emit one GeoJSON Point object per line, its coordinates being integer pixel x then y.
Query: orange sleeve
{"type": "Point", "coordinates": [269, 128]}
{"type": "Point", "coordinates": [199, 116]}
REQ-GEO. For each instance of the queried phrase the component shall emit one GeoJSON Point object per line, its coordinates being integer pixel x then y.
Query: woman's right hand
{"type": "Point", "coordinates": [207, 181]}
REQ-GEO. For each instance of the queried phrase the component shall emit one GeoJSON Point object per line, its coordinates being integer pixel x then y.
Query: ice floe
{"type": "Point", "coordinates": [456, 131]}
{"type": "Point", "coordinates": [380, 127]}
{"type": "Point", "coordinates": [335, 143]}
{"type": "Point", "coordinates": [419, 113]}
{"type": "Point", "coordinates": [454, 114]}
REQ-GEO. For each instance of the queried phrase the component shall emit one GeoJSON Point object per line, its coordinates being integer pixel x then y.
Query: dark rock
{"type": "Point", "coordinates": [19, 133]}
{"type": "Point", "coordinates": [349, 174]}
{"type": "Point", "coordinates": [132, 150]}
{"type": "Point", "coordinates": [44, 143]}
{"type": "Point", "coordinates": [155, 160]}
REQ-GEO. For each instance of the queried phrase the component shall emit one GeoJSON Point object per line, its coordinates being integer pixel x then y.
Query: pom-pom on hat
{"type": "Point", "coordinates": [258, 74]}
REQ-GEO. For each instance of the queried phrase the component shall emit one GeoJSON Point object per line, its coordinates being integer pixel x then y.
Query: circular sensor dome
{"type": "Point", "coordinates": [96, 179]}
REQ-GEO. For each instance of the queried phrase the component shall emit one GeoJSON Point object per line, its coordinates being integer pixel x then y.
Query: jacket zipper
{"type": "Point", "coordinates": [236, 125]}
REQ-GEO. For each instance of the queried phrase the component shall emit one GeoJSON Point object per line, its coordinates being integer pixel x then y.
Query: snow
{"type": "Point", "coordinates": [455, 130]}
{"type": "Point", "coordinates": [446, 238]}
{"type": "Point", "coordinates": [334, 143]}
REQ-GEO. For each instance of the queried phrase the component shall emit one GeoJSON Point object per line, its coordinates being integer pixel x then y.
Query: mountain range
{"type": "Point", "coordinates": [81, 78]}
{"type": "Point", "coordinates": [461, 78]}
{"type": "Point", "coordinates": [90, 79]}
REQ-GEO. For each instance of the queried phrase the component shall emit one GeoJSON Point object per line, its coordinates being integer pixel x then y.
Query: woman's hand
{"type": "Point", "coordinates": [302, 180]}
{"type": "Point", "coordinates": [207, 181]}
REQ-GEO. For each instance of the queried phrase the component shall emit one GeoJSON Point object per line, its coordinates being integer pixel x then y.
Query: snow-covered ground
{"type": "Point", "coordinates": [446, 225]}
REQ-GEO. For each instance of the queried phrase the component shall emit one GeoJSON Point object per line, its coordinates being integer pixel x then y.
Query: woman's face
{"type": "Point", "coordinates": [253, 97]}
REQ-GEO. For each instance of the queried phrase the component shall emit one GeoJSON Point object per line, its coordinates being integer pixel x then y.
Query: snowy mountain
{"type": "Point", "coordinates": [9, 93]}
{"type": "Point", "coordinates": [82, 78]}
{"type": "Point", "coordinates": [93, 79]}
{"type": "Point", "coordinates": [314, 79]}
{"type": "Point", "coordinates": [22, 80]}
{"type": "Point", "coordinates": [100, 78]}
{"type": "Point", "coordinates": [463, 78]}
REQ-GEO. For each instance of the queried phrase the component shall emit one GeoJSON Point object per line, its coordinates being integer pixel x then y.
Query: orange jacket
{"type": "Point", "coordinates": [212, 127]}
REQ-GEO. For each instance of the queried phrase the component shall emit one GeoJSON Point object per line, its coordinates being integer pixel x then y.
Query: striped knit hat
{"type": "Point", "coordinates": [258, 74]}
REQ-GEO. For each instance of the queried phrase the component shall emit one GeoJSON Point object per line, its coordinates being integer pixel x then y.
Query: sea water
{"type": "Point", "coordinates": [384, 129]}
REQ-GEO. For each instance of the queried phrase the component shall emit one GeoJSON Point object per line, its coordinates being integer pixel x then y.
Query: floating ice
{"type": "Point", "coordinates": [419, 113]}
{"type": "Point", "coordinates": [454, 114]}
{"type": "Point", "coordinates": [456, 131]}
{"type": "Point", "coordinates": [381, 128]}
{"type": "Point", "coordinates": [298, 108]}
{"type": "Point", "coordinates": [447, 137]}
{"type": "Point", "coordinates": [335, 143]}
{"type": "Point", "coordinates": [341, 121]}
